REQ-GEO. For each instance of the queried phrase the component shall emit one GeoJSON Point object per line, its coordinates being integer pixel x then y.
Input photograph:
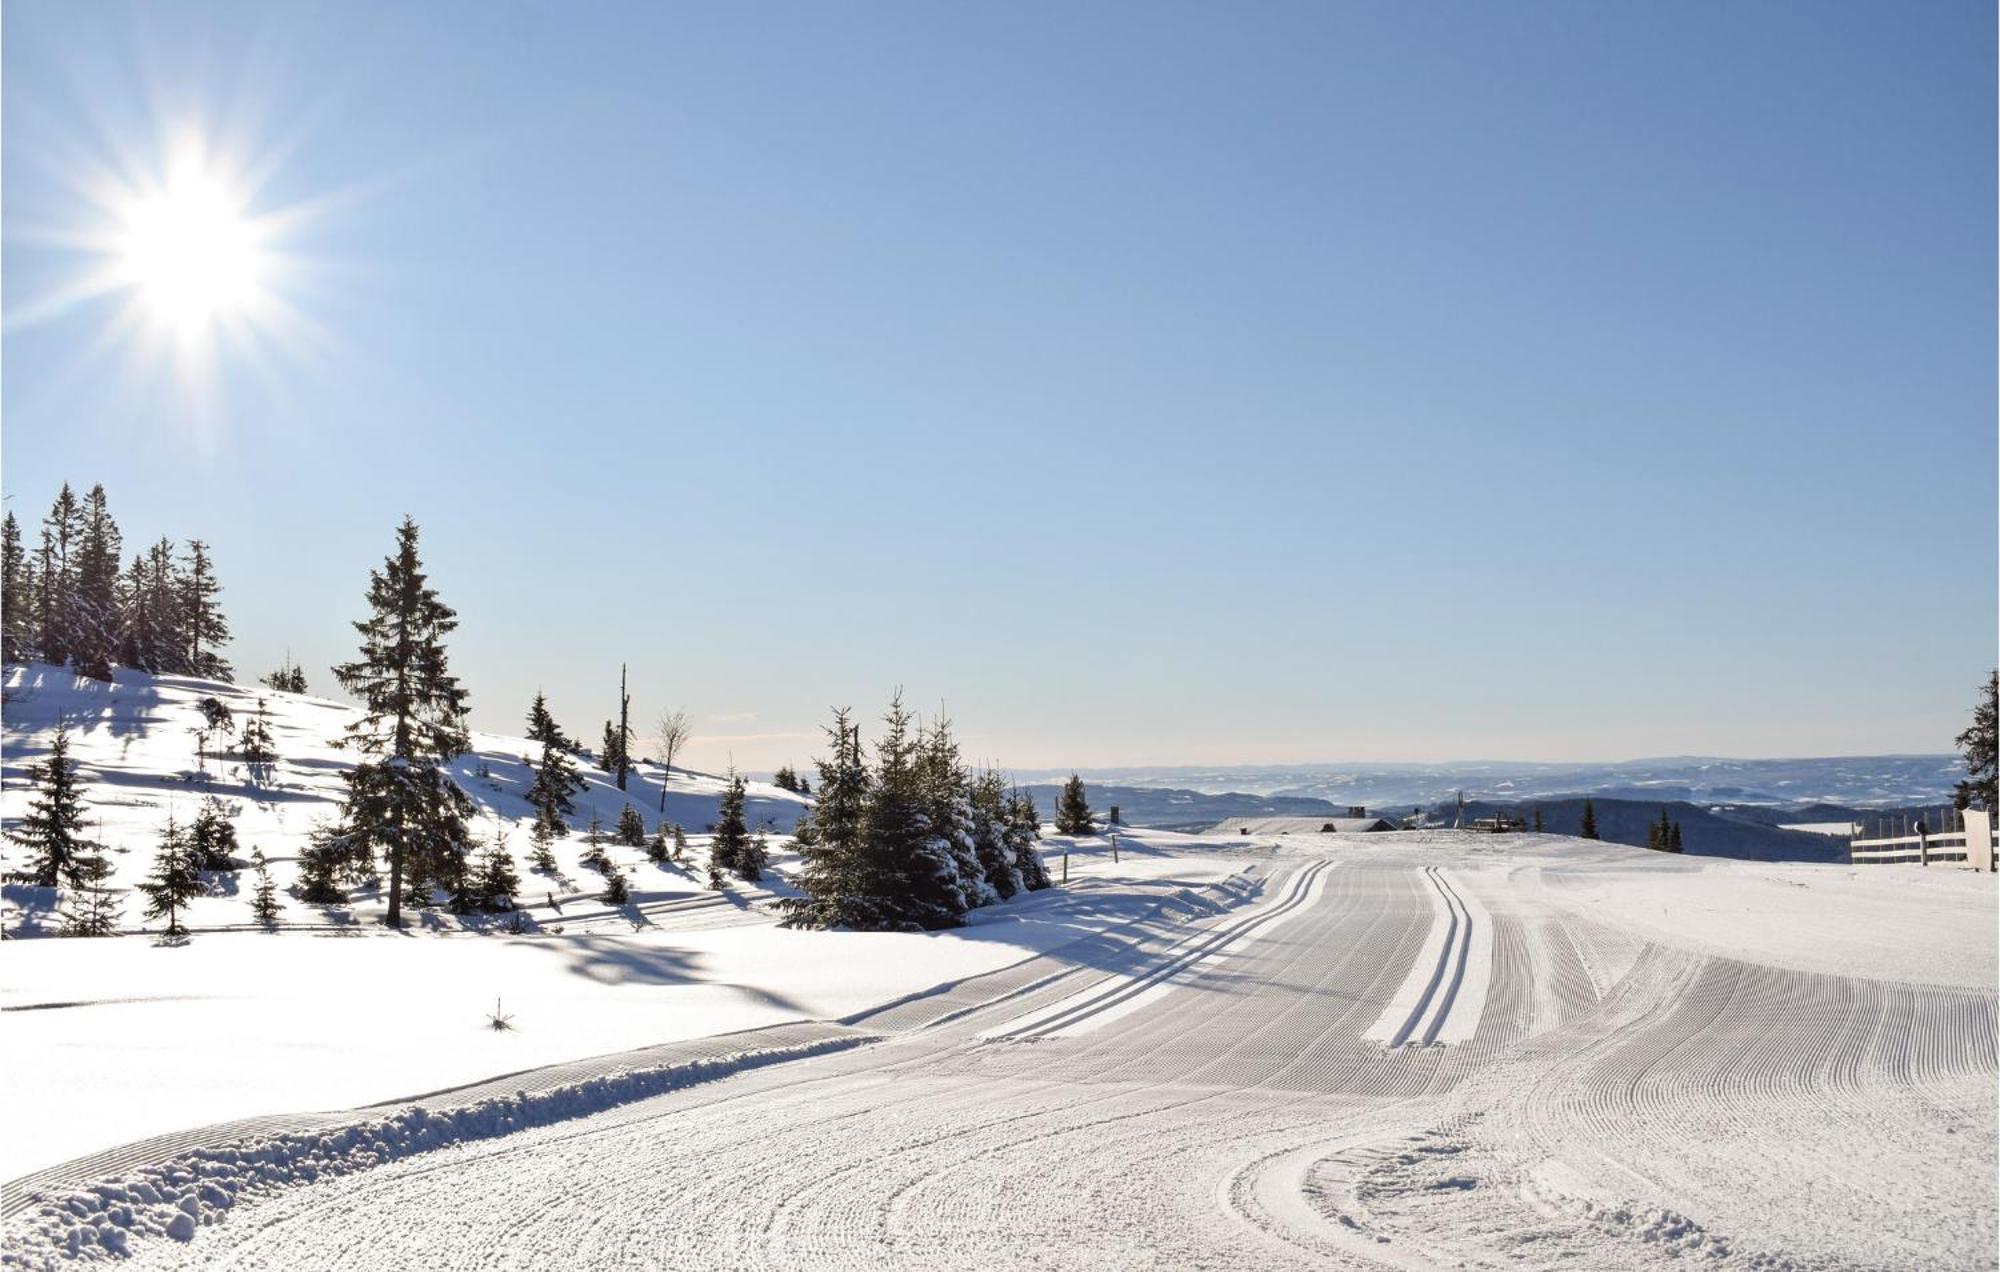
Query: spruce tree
{"type": "Point", "coordinates": [542, 857]}
{"type": "Point", "coordinates": [94, 609]}
{"type": "Point", "coordinates": [593, 838]}
{"type": "Point", "coordinates": [174, 881]}
{"type": "Point", "coordinates": [152, 636]}
{"type": "Point", "coordinates": [52, 830]}
{"type": "Point", "coordinates": [201, 615]}
{"type": "Point", "coordinates": [680, 844]}
{"type": "Point", "coordinates": [616, 890]}
{"type": "Point", "coordinates": [412, 724]}
{"type": "Point", "coordinates": [62, 532]}
{"type": "Point", "coordinates": [729, 848]}
{"type": "Point", "coordinates": [988, 811]}
{"type": "Point", "coordinates": [264, 901]}
{"type": "Point", "coordinates": [1674, 838]}
{"type": "Point", "coordinates": [91, 910]}
{"type": "Point", "coordinates": [1589, 828]}
{"type": "Point", "coordinates": [498, 882]}
{"type": "Point", "coordinates": [255, 744]}
{"type": "Point", "coordinates": [784, 779]}
{"type": "Point", "coordinates": [1979, 743]}
{"type": "Point", "coordinates": [841, 883]}
{"type": "Point", "coordinates": [288, 678]}
{"type": "Point", "coordinates": [920, 869]}
{"type": "Point", "coordinates": [660, 846]}
{"type": "Point", "coordinates": [556, 780]}
{"type": "Point", "coordinates": [1073, 815]}
{"type": "Point", "coordinates": [16, 595]}
{"type": "Point", "coordinates": [631, 829]}
{"type": "Point", "coordinates": [1024, 829]}
{"type": "Point", "coordinates": [211, 837]}
{"type": "Point", "coordinates": [1538, 819]}
{"type": "Point", "coordinates": [947, 795]}
{"type": "Point", "coordinates": [542, 726]}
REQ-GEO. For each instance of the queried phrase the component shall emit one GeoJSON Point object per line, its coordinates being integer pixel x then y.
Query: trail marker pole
{"type": "Point", "coordinates": [1065, 867]}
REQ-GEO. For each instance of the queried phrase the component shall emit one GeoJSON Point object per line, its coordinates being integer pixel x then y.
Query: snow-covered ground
{"type": "Point", "coordinates": [1402, 1050]}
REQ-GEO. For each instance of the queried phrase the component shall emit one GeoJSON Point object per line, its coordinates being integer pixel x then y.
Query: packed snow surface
{"type": "Point", "coordinates": [1403, 1050]}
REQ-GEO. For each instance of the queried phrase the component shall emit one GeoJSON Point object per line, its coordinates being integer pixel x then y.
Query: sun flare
{"type": "Point", "coordinates": [190, 250]}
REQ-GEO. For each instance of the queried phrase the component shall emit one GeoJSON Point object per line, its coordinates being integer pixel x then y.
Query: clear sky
{"type": "Point", "coordinates": [1150, 383]}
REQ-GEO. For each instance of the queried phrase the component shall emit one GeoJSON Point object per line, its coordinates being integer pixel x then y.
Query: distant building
{"type": "Point", "coordinates": [1302, 825]}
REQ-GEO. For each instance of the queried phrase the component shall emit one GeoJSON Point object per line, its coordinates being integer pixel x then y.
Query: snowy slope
{"type": "Point", "coordinates": [136, 747]}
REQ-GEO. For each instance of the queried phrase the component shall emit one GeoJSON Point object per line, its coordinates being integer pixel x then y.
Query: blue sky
{"type": "Point", "coordinates": [1149, 383]}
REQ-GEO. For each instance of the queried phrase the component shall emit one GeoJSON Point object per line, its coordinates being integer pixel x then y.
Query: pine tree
{"type": "Point", "coordinates": [842, 884]}
{"type": "Point", "coordinates": [1073, 815]}
{"type": "Point", "coordinates": [593, 838]}
{"type": "Point", "coordinates": [542, 857]}
{"type": "Point", "coordinates": [255, 744]}
{"type": "Point", "coordinates": [923, 877]}
{"type": "Point", "coordinates": [174, 881]}
{"type": "Point", "coordinates": [616, 890]}
{"type": "Point", "coordinates": [264, 902]}
{"type": "Point", "coordinates": [52, 830]}
{"type": "Point", "coordinates": [319, 869]}
{"type": "Point", "coordinates": [1024, 828]}
{"type": "Point", "coordinates": [499, 882]}
{"type": "Point", "coordinates": [1589, 827]}
{"type": "Point", "coordinates": [947, 794]}
{"type": "Point", "coordinates": [92, 911]}
{"type": "Point", "coordinates": [211, 838]}
{"type": "Point", "coordinates": [631, 829]}
{"type": "Point", "coordinates": [288, 678]}
{"type": "Point", "coordinates": [201, 615]}
{"type": "Point", "coordinates": [988, 827]}
{"type": "Point", "coordinates": [94, 609]}
{"type": "Point", "coordinates": [413, 722]}
{"type": "Point", "coordinates": [16, 595]}
{"type": "Point", "coordinates": [542, 726]}
{"type": "Point", "coordinates": [556, 780]}
{"type": "Point", "coordinates": [62, 533]}
{"type": "Point", "coordinates": [729, 848]}
{"type": "Point", "coordinates": [1979, 742]}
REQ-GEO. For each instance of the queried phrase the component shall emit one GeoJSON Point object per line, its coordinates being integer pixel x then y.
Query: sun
{"type": "Point", "coordinates": [190, 251]}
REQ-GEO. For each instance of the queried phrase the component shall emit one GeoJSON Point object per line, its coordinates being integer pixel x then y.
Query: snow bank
{"type": "Point", "coordinates": [172, 1199]}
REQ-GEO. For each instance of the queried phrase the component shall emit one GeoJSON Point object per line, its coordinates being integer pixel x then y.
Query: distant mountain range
{"type": "Point", "coordinates": [1865, 781]}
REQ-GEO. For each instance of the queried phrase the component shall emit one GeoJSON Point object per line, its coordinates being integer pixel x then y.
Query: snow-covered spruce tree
{"type": "Point", "coordinates": [320, 863]}
{"type": "Point", "coordinates": [150, 636]}
{"type": "Point", "coordinates": [413, 713]}
{"type": "Point", "coordinates": [842, 885]}
{"type": "Point", "coordinates": [174, 881]}
{"type": "Point", "coordinates": [715, 880]}
{"type": "Point", "coordinates": [556, 780]}
{"type": "Point", "coordinates": [631, 828]}
{"type": "Point", "coordinates": [16, 634]}
{"type": "Point", "coordinates": [987, 809]}
{"type": "Point", "coordinates": [52, 830]}
{"type": "Point", "coordinates": [915, 862]}
{"type": "Point", "coordinates": [947, 796]}
{"type": "Point", "coordinates": [1588, 830]}
{"type": "Point", "coordinates": [1073, 815]}
{"type": "Point", "coordinates": [1979, 743]}
{"type": "Point", "coordinates": [264, 905]}
{"type": "Point", "coordinates": [660, 846]}
{"type": "Point", "coordinates": [1024, 829]}
{"type": "Point", "coordinates": [94, 609]}
{"type": "Point", "coordinates": [201, 615]}
{"type": "Point", "coordinates": [498, 882]}
{"type": "Point", "coordinates": [729, 847]}
{"type": "Point", "coordinates": [211, 837]}
{"type": "Point", "coordinates": [288, 678]}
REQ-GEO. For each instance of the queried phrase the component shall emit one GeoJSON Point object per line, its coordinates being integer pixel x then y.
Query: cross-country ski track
{"type": "Point", "coordinates": [1447, 1052]}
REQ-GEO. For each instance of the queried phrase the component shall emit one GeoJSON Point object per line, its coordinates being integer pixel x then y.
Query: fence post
{"type": "Point", "coordinates": [1923, 844]}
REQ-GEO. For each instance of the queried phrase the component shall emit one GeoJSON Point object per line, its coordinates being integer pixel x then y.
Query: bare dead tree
{"type": "Point", "coordinates": [673, 733]}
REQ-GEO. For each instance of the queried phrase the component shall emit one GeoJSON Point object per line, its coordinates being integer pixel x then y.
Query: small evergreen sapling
{"type": "Point", "coordinates": [1073, 816]}
{"type": "Point", "coordinates": [264, 902]}
{"type": "Point", "coordinates": [52, 831]}
{"type": "Point", "coordinates": [631, 830]}
{"type": "Point", "coordinates": [616, 890]}
{"type": "Point", "coordinates": [212, 838]}
{"type": "Point", "coordinates": [542, 858]}
{"type": "Point", "coordinates": [92, 911]}
{"type": "Point", "coordinates": [174, 881]}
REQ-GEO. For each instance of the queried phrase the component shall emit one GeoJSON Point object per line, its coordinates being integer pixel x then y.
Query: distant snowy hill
{"type": "Point", "coordinates": [1865, 781]}
{"type": "Point", "coordinates": [135, 743]}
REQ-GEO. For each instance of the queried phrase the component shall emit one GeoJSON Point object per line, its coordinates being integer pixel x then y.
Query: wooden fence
{"type": "Point", "coordinates": [1971, 846]}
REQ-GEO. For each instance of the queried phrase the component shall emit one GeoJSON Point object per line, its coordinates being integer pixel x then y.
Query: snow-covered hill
{"type": "Point", "coordinates": [137, 746]}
